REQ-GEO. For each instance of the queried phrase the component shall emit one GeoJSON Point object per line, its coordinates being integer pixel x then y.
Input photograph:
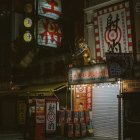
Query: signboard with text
{"type": "Point", "coordinates": [51, 116]}
{"type": "Point", "coordinates": [113, 33]}
{"type": "Point", "coordinates": [89, 74]}
{"type": "Point", "coordinates": [82, 97]}
{"type": "Point", "coordinates": [40, 110]}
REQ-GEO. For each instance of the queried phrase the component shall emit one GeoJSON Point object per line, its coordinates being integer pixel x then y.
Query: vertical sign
{"type": "Point", "coordinates": [83, 97]}
{"type": "Point", "coordinates": [113, 30]}
{"type": "Point", "coordinates": [40, 110]}
{"type": "Point", "coordinates": [21, 112]}
{"type": "Point", "coordinates": [89, 97]}
{"type": "Point", "coordinates": [80, 98]}
{"type": "Point", "coordinates": [51, 116]}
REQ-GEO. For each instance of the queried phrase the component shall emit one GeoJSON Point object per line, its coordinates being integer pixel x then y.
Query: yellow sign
{"type": "Point", "coordinates": [27, 37]}
{"type": "Point", "coordinates": [27, 22]}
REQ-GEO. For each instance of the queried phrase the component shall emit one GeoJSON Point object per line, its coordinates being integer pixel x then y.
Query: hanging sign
{"type": "Point", "coordinates": [49, 8]}
{"type": "Point", "coordinates": [49, 33]}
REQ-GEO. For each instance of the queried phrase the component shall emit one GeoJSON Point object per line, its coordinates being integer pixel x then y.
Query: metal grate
{"type": "Point", "coordinates": [105, 110]}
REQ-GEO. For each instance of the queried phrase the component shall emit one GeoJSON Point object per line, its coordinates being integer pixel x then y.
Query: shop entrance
{"type": "Point", "coordinates": [105, 110]}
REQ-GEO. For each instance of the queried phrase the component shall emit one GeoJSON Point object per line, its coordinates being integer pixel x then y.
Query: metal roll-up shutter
{"type": "Point", "coordinates": [105, 110]}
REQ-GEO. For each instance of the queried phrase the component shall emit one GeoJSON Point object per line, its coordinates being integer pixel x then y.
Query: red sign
{"type": "Point", "coordinates": [40, 110]}
{"type": "Point", "coordinates": [83, 97]}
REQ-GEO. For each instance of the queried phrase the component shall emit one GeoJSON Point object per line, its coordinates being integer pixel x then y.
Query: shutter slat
{"type": "Point", "coordinates": [105, 111]}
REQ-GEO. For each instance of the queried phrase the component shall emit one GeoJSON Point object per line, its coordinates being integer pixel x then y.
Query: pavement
{"type": "Point", "coordinates": [19, 136]}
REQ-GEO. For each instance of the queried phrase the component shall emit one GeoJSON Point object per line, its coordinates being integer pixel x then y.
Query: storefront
{"type": "Point", "coordinates": [92, 90]}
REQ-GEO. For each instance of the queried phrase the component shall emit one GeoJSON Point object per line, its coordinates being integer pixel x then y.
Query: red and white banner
{"type": "Point", "coordinates": [113, 30]}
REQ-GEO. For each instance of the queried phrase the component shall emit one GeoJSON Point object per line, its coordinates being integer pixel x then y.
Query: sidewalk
{"type": "Point", "coordinates": [79, 138]}
{"type": "Point", "coordinates": [19, 136]}
{"type": "Point", "coordinates": [11, 136]}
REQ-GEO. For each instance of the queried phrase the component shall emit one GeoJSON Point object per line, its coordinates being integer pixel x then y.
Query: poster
{"type": "Point", "coordinates": [113, 32]}
{"type": "Point", "coordinates": [83, 97]}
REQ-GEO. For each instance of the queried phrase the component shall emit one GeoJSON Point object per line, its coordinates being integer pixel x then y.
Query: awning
{"type": "Point", "coordinates": [45, 89]}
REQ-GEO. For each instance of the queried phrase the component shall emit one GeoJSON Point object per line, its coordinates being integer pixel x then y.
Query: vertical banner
{"type": "Point", "coordinates": [83, 97]}
{"type": "Point", "coordinates": [40, 110]}
{"type": "Point", "coordinates": [89, 97]}
{"type": "Point", "coordinates": [80, 98]}
{"type": "Point", "coordinates": [113, 30]}
{"type": "Point", "coordinates": [51, 116]}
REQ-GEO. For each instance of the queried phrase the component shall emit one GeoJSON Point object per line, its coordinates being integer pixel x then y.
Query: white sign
{"type": "Point", "coordinates": [113, 30]}
{"type": "Point", "coordinates": [50, 116]}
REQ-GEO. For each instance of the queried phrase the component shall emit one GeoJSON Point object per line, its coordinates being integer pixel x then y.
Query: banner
{"type": "Point", "coordinates": [50, 116]}
{"type": "Point", "coordinates": [40, 110]}
{"type": "Point", "coordinates": [119, 65]}
{"type": "Point", "coordinates": [113, 30]}
{"type": "Point", "coordinates": [82, 97]}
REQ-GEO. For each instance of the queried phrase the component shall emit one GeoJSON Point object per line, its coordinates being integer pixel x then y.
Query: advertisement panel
{"type": "Point", "coordinates": [49, 8]}
{"type": "Point", "coordinates": [82, 97]}
{"type": "Point", "coordinates": [49, 33]}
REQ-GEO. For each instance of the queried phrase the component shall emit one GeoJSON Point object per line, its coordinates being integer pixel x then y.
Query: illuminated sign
{"type": "Point", "coordinates": [82, 97]}
{"type": "Point", "coordinates": [27, 37]}
{"type": "Point", "coordinates": [49, 33]}
{"type": "Point", "coordinates": [49, 8]}
{"type": "Point", "coordinates": [89, 74]}
{"type": "Point", "coordinates": [27, 22]}
{"type": "Point", "coordinates": [130, 86]}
